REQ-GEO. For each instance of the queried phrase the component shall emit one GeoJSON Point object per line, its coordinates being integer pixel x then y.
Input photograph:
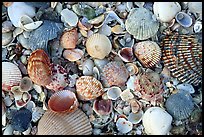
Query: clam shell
{"type": "Point", "coordinates": [69, 39]}
{"type": "Point", "coordinates": [73, 54]}
{"type": "Point", "coordinates": [148, 53]}
{"type": "Point", "coordinates": [98, 46]}
{"type": "Point", "coordinates": [114, 92]}
{"type": "Point", "coordinates": [123, 125]}
{"type": "Point", "coordinates": [136, 106]}
{"type": "Point", "coordinates": [184, 19]}
{"type": "Point", "coordinates": [141, 23]}
{"type": "Point", "coordinates": [75, 123]}
{"type": "Point", "coordinates": [126, 54]}
{"type": "Point", "coordinates": [11, 75]}
{"type": "Point", "coordinates": [180, 105]}
{"type": "Point", "coordinates": [87, 67]}
{"type": "Point", "coordinates": [97, 20]}
{"type": "Point", "coordinates": [26, 84]}
{"type": "Point", "coordinates": [23, 101]}
{"type": "Point", "coordinates": [126, 95]}
{"type": "Point", "coordinates": [7, 38]}
{"type": "Point", "coordinates": [7, 26]}
{"type": "Point", "coordinates": [135, 118]}
{"type": "Point", "coordinates": [195, 7]}
{"type": "Point", "coordinates": [69, 17]}
{"type": "Point", "coordinates": [88, 88]}
{"type": "Point", "coordinates": [102, 107]}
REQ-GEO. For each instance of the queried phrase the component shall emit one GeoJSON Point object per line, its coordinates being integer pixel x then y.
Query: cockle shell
{"type": "Point", "coordinates": [184, 19]}
{"type": "Point", "coordinates": [98, 46]}
{"type": "Point", "coordinates": [114, 74]}
{"type": "Point", "coordinates": [75, 123]}
{"type": "Point", "coordinates": [148, 53]}
{"type": "Point", "coordinates": [73, 54]}
{"type": "Point", "coordinates": [195, 7]}
{"type": "Point", "coordinates": [39, 69]}
{"type": "Point", "coordinates": [63, 101]}
{"type": "Point", "coordinates": [114, 92]}
{"type": "Point", "coordinates": [102, 107]}
{"type": "Point", "coordinates": [123, 125]}
{"type": "Point", "coordinates": [26, 84]}
{"type": "Point", "coordinates": [11, 75]}
{"type": "Point", "coordinates": [88, 88]}
{"type": "Point", "coordinates": [69, 39]}
{"type": "Point", "coordinates": [141, 23]}
{"type": "Point", "coordinates": [182, 55]}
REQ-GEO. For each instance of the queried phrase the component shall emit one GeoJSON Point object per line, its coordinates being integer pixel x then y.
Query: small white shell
{"type": "Point", "coordinates": [187, 87]}
{"type": "Point", "coordinates": [27, 132]}
{"type": "Point", "coordinates": [33, 25]}
{"type": "Point", "coordinates": [197, 26]}
{"type": "Point", "coordinates": [135, 118]}
{"type": "Point", "coordinates": [126, 95]}
{"type": "Point", "coordinates": [69, 17]}
{"type": "Point", "coordinates": [87, 67]}
{"type": "Point", "coordinates": [114, 92]}
{"type": "Point", "coordinates": [184, 19]}
{"type": "Point", "coordinates": [123, 125]}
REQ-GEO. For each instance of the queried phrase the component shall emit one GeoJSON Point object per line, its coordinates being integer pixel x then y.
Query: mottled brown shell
{"type": "Point", "coordinates": [39, 69]}
{"type": "Point", "coordinates": [88, 88]}
{"type": "Point", "coordinates": [69, 39]}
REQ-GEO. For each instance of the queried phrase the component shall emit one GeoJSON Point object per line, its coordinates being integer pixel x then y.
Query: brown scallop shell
{"type": "Point", "coordinates": [88, 88]}
{"type": "Point", "coordinates": [69, 39]}
{"type": "Point", "coordinates": [39, 69]}
{"type": "Point", "coordinates": [75, 123]}
{"type": "Point", "coordinates": [63, 101]}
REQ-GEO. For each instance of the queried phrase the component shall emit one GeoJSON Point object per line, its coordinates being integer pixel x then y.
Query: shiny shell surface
{"type": "Point", "coordinates": [69, 39]}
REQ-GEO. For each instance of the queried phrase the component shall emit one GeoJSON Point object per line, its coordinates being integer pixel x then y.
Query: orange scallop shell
{"type": "Point", "coordinates": [69, 39]}
{"type": "Point", "coordinates": [39, 69]}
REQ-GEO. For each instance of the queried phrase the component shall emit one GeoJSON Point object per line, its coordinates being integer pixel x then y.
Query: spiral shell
{"type": "Point", "coordinates": [69, 39]}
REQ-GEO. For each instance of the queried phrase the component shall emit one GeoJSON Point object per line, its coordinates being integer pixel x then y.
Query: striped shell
{"type": "Point", "coordinates": [11, 75]}
{"type": "Point", "coordinates": [75, 123]}
{"type": "Point", "coordinates": [39, 69]}
{"type": "Point", "coordinates": [182, 55]}
{"type": "Point", "coordinates": [148, 53]}
{"type": "Point", "coordinates": [69, 39]}
{"type": "Point", "coordinates": [88, 88]}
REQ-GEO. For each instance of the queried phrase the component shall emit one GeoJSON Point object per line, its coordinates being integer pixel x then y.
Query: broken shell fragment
{"type": "Point", "coordinates": [135, 118]}
{"type": "Point", "coordinates": [23, 101]}
{"type": "Point", "coordinates": [132, 68]}
{"type": "Point", "coordinates": [26, 84]}
{"type": "Point", "coordinates": [114, 92]}
{"type": "Point", "coordinates": [126, 54]}
{"type": "Point", "coordinates": [69, 17]}
{"type": "Point", "coordinates": [184, 19]}
{"type": "Point", "coordinates": [102, 107]}
{"type": "Point", "coordinates": [123, 125]}
{"type": "Point", "coordinates": [197, 26]}
{"type": "Point", "coordinates": [69, 39]}
{"type": "Point", "coordinates": [136, 106]}
{"type": "Point", "coordinates": [126, 95]}
{"type": "Point", "coordinates": [73, 54]}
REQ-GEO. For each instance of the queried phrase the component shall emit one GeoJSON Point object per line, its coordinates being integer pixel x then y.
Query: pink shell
{"type": "Point", "coordinates": [102, 107]}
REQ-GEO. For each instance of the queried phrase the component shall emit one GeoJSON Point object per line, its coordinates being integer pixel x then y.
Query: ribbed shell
{"type": "Point", "coordinates": [141, 23]}
{"type": "Point", "coordinates": [88, 88]}
{"type": "Point", "coordinates": [69, 39]}
{"type": "Point", "coordinates": [76, 123]}
{"type": "Point", "coordinates": [11, 75]}
{"type": "Point", "coordinates": [148, 53]}
{"type": "Point", "coordinates": [182, 55]}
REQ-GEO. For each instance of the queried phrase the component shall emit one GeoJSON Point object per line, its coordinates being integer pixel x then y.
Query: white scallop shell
{"type": "Point", "coordinates": [123, 125]}
{"type": "Point", "coordinates": [187, 87]}
{"type": "Point", "coordinates": [114, 92]}
{"type": "Point", "coordinates": [135, 118]}
{"type": "Point", "coordinates": [69, 17]}
{"type": "Point", "coordinates": [126, 95]}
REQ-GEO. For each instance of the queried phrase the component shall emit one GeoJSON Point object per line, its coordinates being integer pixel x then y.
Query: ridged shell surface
{"type": "Point", "coordinates": [69, 39]}
{"type": "Point", "coordinates": [76, 123]}
{"type": "Point", "coordinates": [11, 75]}
{"type": "Point", "coordinates": [141, 23]}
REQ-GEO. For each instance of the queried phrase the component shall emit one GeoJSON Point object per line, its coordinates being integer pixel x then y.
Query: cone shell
{"type": "Point", "coordinates": [148, 53]}
{"type": "Point", "coordinates": [63, 101]}
{"type": "Point", "coordinates": [88, 88]}
{"type": "Point", "coordinates": [75, 123]}
{"type": "Point", "coordinates": [69, 39]}
{"type": "Point", "coordinates": [39, 69]}
{"type": "Point", "coordinates": [11, 75]}
{"type": "Point", "coordinates": [182, 55]}
{"type": "Point", "coordinates": [98, 46]}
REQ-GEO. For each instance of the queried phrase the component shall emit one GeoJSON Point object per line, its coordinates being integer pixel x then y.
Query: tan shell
{"type": "Point", "coordinates": [63, 101]}
{"type": "Point", "coordinates": [73, 54]}
{"type": "Point", "coordinates": [69, 39]}
{"type": "Point", "coordinates": [26, 84]}
{"type": "Point", "coordinates": [148, 53]}
{"type": "Point", "coordinates": [88, 88]}
{"type": "Point", "coordinates": [98, 46]}
{"type": "Point", "coordinates": [11, 75]}
{"type": "Point", "coordinates": [39, 69]}
{"type": "Point", "coordinates": [75, 123]}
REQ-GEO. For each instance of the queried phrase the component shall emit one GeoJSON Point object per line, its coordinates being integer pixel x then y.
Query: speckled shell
{"type": "Point", "coordinates": [88, 88]}
{"type": "Point", "coordinates": [182, 55]}
{"type": "Point", "coordinates": [39, 69]}
{"type": "Point", "coordinates": [11, 75]}
{"type": "Point", "coordinates": [180, 105]}
{"type": "Point", "coordinates": [75, 123]}
{"type": "Point", "coordinates": [148, 53]}
{"type": "Point", "coordinates": [141, 23]}
{"type": "Point", "coordinates": [69, 39]}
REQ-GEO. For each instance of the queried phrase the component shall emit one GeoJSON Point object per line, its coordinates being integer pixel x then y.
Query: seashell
{"type": "Point", "coordinates": [141, 23]}
{"type": "Point", "coordinates": [69, 17]}
{"type": "Point", "coordinates": [33, 25]}
{"type": "Point", "coordinates": [38, 88]}
{"type": "Point", "coordinates": [7, 38]}
{"type": "Point", "coordinates": [165, 12]}
{"type": "Point", "coordinates": [98, 46]}
{"type": "Point", "coordinates": [123, 125]}
{"type": "Point", "coordinates": [197, 26]}
{"type": "Point", "coordinates": [30, 106]}
{"type": "Point", "coordinates": [7, 26]}
{"type": "Point", "coordinates": [26, 84]}
{"type": "Point", "coordinates": [39, 69]}
{"type": "Point", "coordinates": [114, 74]}
{"type": "Point", "coordinates": [73, 54]}
{"type": "Point", "coordinates": [96, 73]}
{"type": "Point", "coordinates": [25, 97]}
{"type": "Point", "coordinates": [185, 64]}
{"type": "Point", "coordinates": [100, 63]}
{"type": "Point", "coordinates": [126, 54]}
{"type": "Point", "coordinates": [8, 130]}
{"type": "Point", "coordinates": [59, 78]}
{"type": "Point", "coordinates": [195, 7]}
{"type": "Point", "coordinates": [156, 121]}
{"type": "Point", "coordinates": [3, 108]}
{"type": "Point", "coordinates": [114, 92]}
{"type": "Point", "coordinates": [117, 29]}
{"type": "Point", "coordinates": [132, 68]}
{"type": "Point", "coordinates": [84, 24]}
{"type": "Point", "coordinates": [129, 6]}
{"type": "Point", "coordinates": [136, 106]}
{"type": "Point", "coordinates": [75, 123]}
{"type": "Point", "coordinates": [135, 118]}
{"type": "Point", "coordinates": [102, 107]}
{"type": "Point", "coordinates": [126, 95]}
{"type": "Point", "coordinates": [63, 101]}
{"type": "Point", "coordinates": [184, 19]}
{"type": "Point", "coordinates": [11, 75]}
{"type": "Point", "coordinates": [148, 53]}
{"type": "Point", "coordinates": [7, 4]}
{"type": "Point", "coordinates": [7, 100]}
{"type": "Point", "coordinates": [88, 88]}
{"type": "Point", "coordinates": [37, 113]}
{"type": "Point", "coordinates": [87, 67]}
{"type": "Point", "coordinates": [105, 30]}
{"type": "Point", "coordinates": [180, 105]}
{"type": "Point", "coordinates": [21, 120]}
{"type": "Point", "coordinates": [186, 87]}
{"type": "Point", "coordinates": [110, 16]}
{"type": "Point", "coordinates": [97, 20]}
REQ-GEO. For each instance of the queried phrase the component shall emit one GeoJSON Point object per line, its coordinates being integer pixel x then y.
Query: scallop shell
{"type": "Point", "coordinates": [39, 69]}
{"type": "Point", "coordinates": [75, 123]}
{"type": "Point", "coordinates": [88, 88]}
{"type": "Point", "coordinates": [195, 7]}
{"type": "Point", "coordinates": [184, 19]}
{"type": "Point", "coordinates": [126, 54]}
{"type": "Point", "coordinates": [114, 74]}
{"type": "Point", "coordinates": [98, 46]}
{"type": "Point", "coordinates": [26, 84]}
{"type": "Point", "coordinates": [69, 39]}
{"type": "Point", "coordinates": [123, 125]}
{"type": "Point", "coordinates": [135, 118]}
{"type": "Point", "coordinates": [63, 101]}
{"type": "Point", "coordinates": [148, 53]}
{"type": "Point", "coordinates": [114, 92]}
{"type": "Point", "coordinates": [102, 107]}
{"type": "Point", "coordinates": [11, 75]}
{"type": "Point", "coordinates": [180, 105]}
{"type": "Point", "coordinates": [182, 55]}
{"type": "Point", "coordinates": [141, 23]}
{"type": "Point", "coordinates": [73, 54]}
